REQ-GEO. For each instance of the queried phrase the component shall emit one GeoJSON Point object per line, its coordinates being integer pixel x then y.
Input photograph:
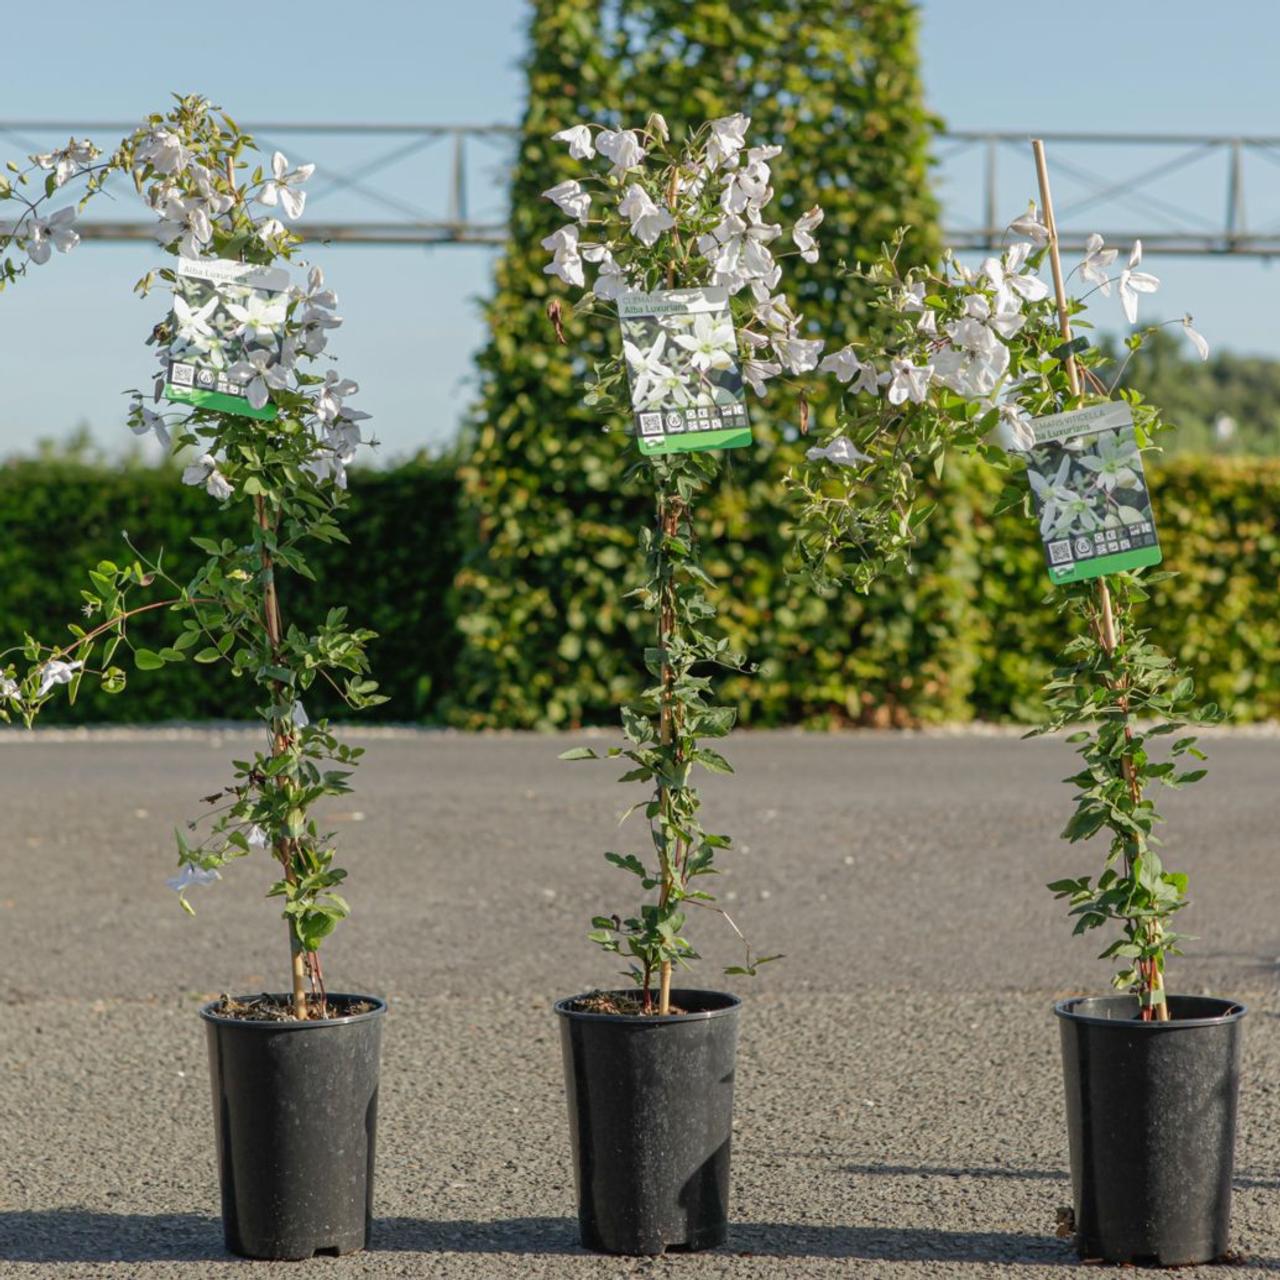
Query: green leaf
{"type": "Point", "coordinates": [147, 660]}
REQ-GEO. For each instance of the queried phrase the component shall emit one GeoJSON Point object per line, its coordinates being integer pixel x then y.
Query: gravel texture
{"type": "Point", "coordinates": [899, 1098]}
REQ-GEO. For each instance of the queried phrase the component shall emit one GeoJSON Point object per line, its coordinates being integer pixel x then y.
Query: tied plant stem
{"type": "Point", "coordinates": [283, 847]}
{"type": "Point", "coordinates": [669, 513]}
{"type": "Point", "coordinates": [1150, 979]}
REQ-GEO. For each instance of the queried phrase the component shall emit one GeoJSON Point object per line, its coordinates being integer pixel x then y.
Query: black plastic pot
{"type": "Point", "coordinates": [650, 1120]}
{"type": "Point", "coordinates": [1151, 1114]}
{"type": "Point", "coordinates": [295, 1108]}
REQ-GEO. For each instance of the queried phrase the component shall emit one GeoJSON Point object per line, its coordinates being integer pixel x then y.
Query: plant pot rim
{"type": "Point", "coordinates": [1233, 1011]}
{"type": "Point", "coordinates": [731, 1004]}
{"type": "Point", "coordinates": [251, 1024]}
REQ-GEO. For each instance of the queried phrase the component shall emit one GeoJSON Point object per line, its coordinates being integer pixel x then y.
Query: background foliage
{"type": "Point", "coordinates": [552, 536]}
{"type": "Point", "coordinates": [1195, 396]}
{"type": "Point", "coordinates": [394, 576]}
{"type": "Point", "coordinates": [968, 636]}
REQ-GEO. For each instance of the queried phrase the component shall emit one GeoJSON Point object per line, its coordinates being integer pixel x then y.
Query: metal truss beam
{"type": "Point", "coordinates": [1179, 193]}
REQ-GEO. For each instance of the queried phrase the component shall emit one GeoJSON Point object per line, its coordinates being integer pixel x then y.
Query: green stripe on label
{"type": "Point", "coordinates": [724, 438]}
{"type": "Point", "coordinates": [219, 400]}
{"type": "Point", "coordinates": [1099, 566]}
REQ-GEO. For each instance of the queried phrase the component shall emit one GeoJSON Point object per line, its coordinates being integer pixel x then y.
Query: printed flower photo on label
{"type": "Point", "coordinates": [226, 335]}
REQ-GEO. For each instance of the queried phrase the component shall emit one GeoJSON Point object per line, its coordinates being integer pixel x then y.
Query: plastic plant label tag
{"type": "Point", "coordinates": [682, 364]}
{"type": "Point", "coordinates": [1090, 493]}
{"type": "Point", "coordinates": [224, 313]}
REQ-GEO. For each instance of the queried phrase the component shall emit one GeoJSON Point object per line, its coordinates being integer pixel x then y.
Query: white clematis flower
{"type": "Point", "coordinates": [757, 372]}
{"type": "Point", "coordinates": [739, 254]}
{"type": "Point", "coordinates": [331, 395]}
{"type": "Point", "coordinates": [256, 837]}
{"type": "Point", "coordinates": [611, 281]}
{"type": "Point", "coordinates": [150, 422]}
{"type": "Point", "coordinates": [1134, 282]}
{"type": "Point", "coordinates": [1093, 267]}
{"type": "Point", "coordinates": [728, 137]}
{"type": "Point", "coordinates": [9, 689]}
{"type": "Point", "coordinates": [191, 874]}
{"type": "Point", "coordinates": [273, 233]}
{"type": "Point", "coordinates": [1013, 431]}
{"type": "Point", "coordinates": [798, 355]}
{"type": "Point", "coordinates": [648, 220]}
{"type": "Point", "coordinates": [911, 299]}
{"type": "Point", "coordinates": [164, 151]}
{"type": "Point", "coordinates": [842, 451]}
{"type": "Point", "coordinates": [843, 363]}
{"type": "Point", "coordinates": [56, 672]}
{"type": "Point", "coordinates": [569, 198]}
{"type": "Point", "coordinates": [259, 375]}
{"type": "Point", "coordinates": [1009, 280]}
{"type": "Point", "coordinates": [185, 219]}
{"type": "Point", "coordinates": [282, 187]}
{"type": "Point", "coordinates": [67, 161]}
{"type": "Point", "coordinates": [623, 147]}
{"type": "Point", "coordinates": [849, 369]}
{"type": "Point", "coordinates": [43, 235]}
{"type": "Point", "coordinates": [748, 188]}
{"type": "Point", "coordinates": [315, 294]}
{"type": "Point", "coordinates": [579, 139]}
{"type": "Point", "coordinates": [206, 472]}
{"type": "Point", "coordinates": [299, 716]}
{"type": "Point", "coordinates": [800, 233]}
{"type": "Point", "coordinates": [1196, 339]}
{"type": "Point", "coordinates": [1029, 225]}
{"type": "Point", "coordinates": [566, 262]}
{"type": "Point", "coordinates": [907, 381]}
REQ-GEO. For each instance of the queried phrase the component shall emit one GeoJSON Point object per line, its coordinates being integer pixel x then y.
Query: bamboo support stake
{"type": "Point", "coordinates": [1106, 615]}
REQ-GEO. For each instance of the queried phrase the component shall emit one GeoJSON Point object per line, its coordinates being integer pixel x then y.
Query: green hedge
{"type": "Point", "coordinates": [63, 517]}
{"type": "Point", "coordinates": [970, 634]}
{"type": "Point", "coordinates": [1218, 522]}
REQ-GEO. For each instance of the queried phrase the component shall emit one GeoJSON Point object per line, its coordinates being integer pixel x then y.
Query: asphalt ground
{"type": "Point", "coordinates": [899, 1108]}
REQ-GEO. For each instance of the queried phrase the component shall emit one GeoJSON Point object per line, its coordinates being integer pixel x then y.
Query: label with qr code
{"type": "Point", "coordinates": [1090, 493]}
{"type": "Point", "coordinates": [224, 312]}
{"type": "Point", "coordinates": [681, 353]}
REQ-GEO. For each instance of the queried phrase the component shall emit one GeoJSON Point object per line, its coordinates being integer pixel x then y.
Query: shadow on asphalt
{"type": "Point", "coordinates": [87, 1235]}
{"type": "Point", "coordinates": [746, 1239]}
{"type": "Point", "coordinates": [943, 1171]}
{"type": "Point", "coordinates": [83, 1235]}
{"type": "Point", "coordinates": [895, 1244]}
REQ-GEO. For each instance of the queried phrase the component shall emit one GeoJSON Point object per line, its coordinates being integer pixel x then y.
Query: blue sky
{"type": "Point", "coordinates": [71, 333]}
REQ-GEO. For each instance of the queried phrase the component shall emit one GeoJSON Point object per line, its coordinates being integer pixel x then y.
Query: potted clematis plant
{"type": "Point", "coordinates": [686, 264]}
{"type": "Point", "coordinates": [1151, 1078]}
{"type": "Point", "coordinates": [295, 1074]}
